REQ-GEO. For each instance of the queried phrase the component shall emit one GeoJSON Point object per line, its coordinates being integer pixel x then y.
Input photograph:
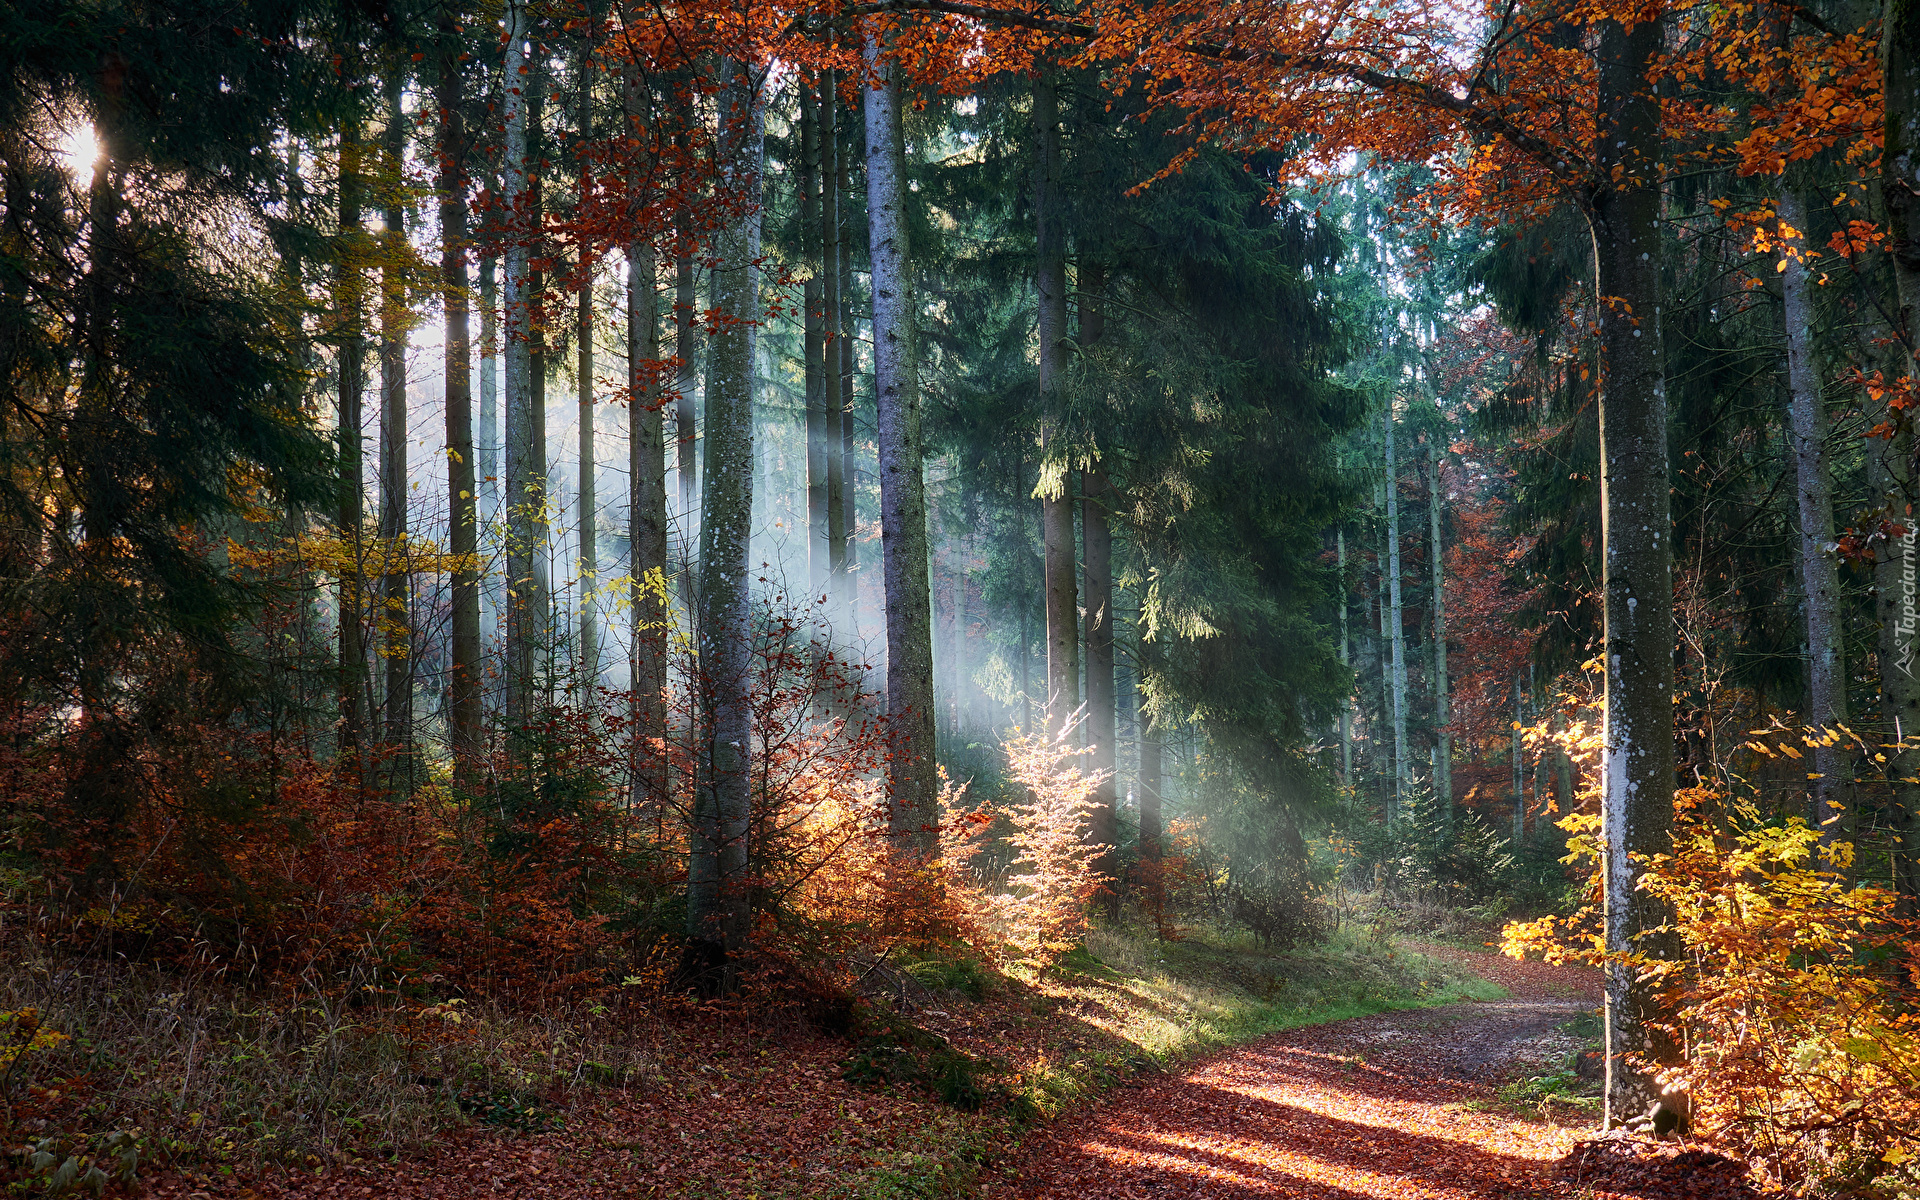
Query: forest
{"type": "Point", "coordinates": [894, 598]}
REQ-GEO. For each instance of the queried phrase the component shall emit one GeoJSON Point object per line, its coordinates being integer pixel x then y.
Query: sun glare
{"type": "Point", "coordinates": [78, 152]}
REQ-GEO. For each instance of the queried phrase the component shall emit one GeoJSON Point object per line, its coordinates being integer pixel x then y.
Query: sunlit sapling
{"type": "Point", "coordinates": [1043, 914]}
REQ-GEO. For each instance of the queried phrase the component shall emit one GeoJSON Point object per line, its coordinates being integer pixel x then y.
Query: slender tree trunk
{"type": "Point", "coordinates": [1026, 600]}
{"type": "Point", "coordinates": [1056, 505]}
{"type": "Point", "coordinates": [463, 683]}
{"type": "Point", "coordinates": [1152, 824]}
{"type": "Point", "coordinates": [486, 443]}
{"type": "Point", "coordinates": [1892, 458]}
{"type": "Point", "coordinates": [647, 519]}
{"type": "Point", "coordinates": [718, 900]}
{"type": "Point", "coordinates": [850, 495]}
{"type": "Point", "coordinates": [526, 607]}
{"type": "Point", "coordinates": [396, 592]}
{"type": "Point", "coordinates": [587, 672]}
{"type": "Point", "coordinates": [819, 552]}
{"type": "Point", "coordinates": [911, 772]}
{"type": "Point", "coordinates": [962, 674]}
{"type": "Point", "coordinates": [1442, 739]}
{"type": "Point", "coordinates": [832, 402]}
{"type": "Point", "coordinates": [352, 508]}
{"type": "Point", "coordinates": [1396, 624]}
{"type": "Point", "coordinates": [647, 525]}
{"type": "Point", "coordinates": [1519, 763]}
{"type": "Point", "coordinates": [1102, 705]}
{"type": "Point", "coordinates": [686, 350]}
{"type": "Point", "coordinates": [1383, 659]}
{"type": "Point", "coordinates": [1819, 575]}
{"type": "Point", "coordinates": [1637, 792]}
{"type": "Point", "coordinates": [543, 512]}
{"type": "Point", "coordinates": [1346, 708]}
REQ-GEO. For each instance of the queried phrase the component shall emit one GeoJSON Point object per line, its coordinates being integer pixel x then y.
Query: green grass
{"type": "Point", "coordinates": [1126, 1003]}
{"type": "Point", "coordinates": [1158, 1003]}
{"type": "Point", "coordinates": [1215, 990]}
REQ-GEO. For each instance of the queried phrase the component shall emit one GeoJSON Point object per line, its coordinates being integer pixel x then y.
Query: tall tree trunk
{"type": "Point", "coordinates": [914, 804]}
{"type": "Point", "coordinates": [1026, 599]}
{"type": "Point", "coordinates": [819, 569]}
{"type": "Point", "coordinates": [352, 303]}
{"type": "Point", "coordinates": [1152, 824]}
{"type": "Point", "coordinates": [463, 683]}
{"type": "Point", "coordinates": [686, 350]}
{"type": "Point", "coordinates": [1346, 707]}
{"type": "Point", "coordinates": [487, 444]}
{"type": "Point", "coordinates": [1637, 789]}
{"type": "Point", "coordinates": [1819, 574]}
{"type": "Point", "coordinates": [1519, 763]}
{"type": "Point", "coordinates": [832, 402]}
{"type": "Point", "coordinates": [1383, 659]}
{"type": "Point", "coordinates": [1104, 828]}
{"type": "Point", "coordinates": [1442, 739]}
{"type": "Point", "coordinates": [542, 511]}
{"type": "Point", "coordinates": [587, 668]}
{"type": "Point", "coordinates": [647, 520]}
{"type": "Point", "coordinates": [396, 591]}
{"type": "Point", "coordinates": [718, 900]}
{"type": "Point", "coordinates": [1396, 624]}
{"type": "Point", "coordinates": [962, 676]}
{"type": "Point", "coordinates": [1056, 505]}
{"type": "Point", "coordinates": [486, 437]}
{"type": "Point", "coordinates": [526, 607]}
{"type": "Point", "coordinates": [647, 525]}
{"type": "Point", "coordinates": [1894, 576]}
{"type": "Point", "coordinates": [850, 494]}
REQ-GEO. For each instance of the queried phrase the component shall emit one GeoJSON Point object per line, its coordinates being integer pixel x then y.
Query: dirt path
{"type": "Point", "coordinates": [1395, 1105]}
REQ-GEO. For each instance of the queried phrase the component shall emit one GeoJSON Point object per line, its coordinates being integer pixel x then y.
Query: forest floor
{"type": "Point", "coordinates": [1365, 1067]}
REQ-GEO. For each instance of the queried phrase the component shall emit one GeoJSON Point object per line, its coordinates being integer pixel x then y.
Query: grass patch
{"type": "Point", "coordinates": [1154, 1003]}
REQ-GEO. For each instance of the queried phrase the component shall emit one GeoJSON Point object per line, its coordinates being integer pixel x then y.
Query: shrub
{"type": "Point", "coordinates": [1794, 995]}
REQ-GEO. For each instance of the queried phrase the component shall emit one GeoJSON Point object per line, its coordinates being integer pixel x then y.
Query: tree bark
{"type": "Point", "coordinates": [463, 683]}
{"type": "Point", "coordinates": [1152, 824]}
{"type": "Point", "coordinates": [819, 568]}
{"type": "Point", "coordinates": [647, 520]}
{"type": "Point", "coordinates": [1442, 739]}
{"type": "Point", "coordinates": [351, 303]}
{"type": "Point", "coordinates": [1396, 625]}
{"type": "Point", "coordinates": [911, 772]}
{"type": "Point", "coordinates": [686, 351]}
{"type": "Point", "coordinates": [850, 495]}
{"type": "Point", "coordinates": [525, 453]}
{"type": "Point", "coordinates": [647, 525]}
{"type": "Point", "coordinates": [486, 445]}
{"type": "Point", "coordinates": [1104, 829]}
{"type": "Point", "coordinates": [1637, 785]}
{"type": "Point", "coordinates": [396, 592]}
{"type": "Point", "coordinates": [1346, 708]}
{"type": "Point", "coordinates": [1819, 574]}
{"type": "Point", "coordinates": [1056, 504]}
{"type": "Point", "coordinates": [832, 401]}
{"type": "Point", "coordinates": [1892, 458]}
{"type": "Point", "coordinates": [718, 900]}
{"type": "Point", "coordinates": [587, 665]}
{"type": "Point", "coordinates": [1518, 755]}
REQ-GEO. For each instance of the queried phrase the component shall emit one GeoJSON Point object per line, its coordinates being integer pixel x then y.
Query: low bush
{"type": "Point", "coordinates": [1794, 995]}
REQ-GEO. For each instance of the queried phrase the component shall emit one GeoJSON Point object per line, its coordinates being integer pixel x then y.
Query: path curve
{"type": "Point", "coordinates": [1388, 1106]}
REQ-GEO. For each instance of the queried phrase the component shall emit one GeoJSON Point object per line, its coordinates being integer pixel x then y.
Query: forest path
{"type": "Point", "coordinates": [1387, 1106]}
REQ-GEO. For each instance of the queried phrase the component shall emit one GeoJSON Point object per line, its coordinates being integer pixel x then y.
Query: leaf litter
{"type": "Point", "coordinates": [1395, 1105]}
